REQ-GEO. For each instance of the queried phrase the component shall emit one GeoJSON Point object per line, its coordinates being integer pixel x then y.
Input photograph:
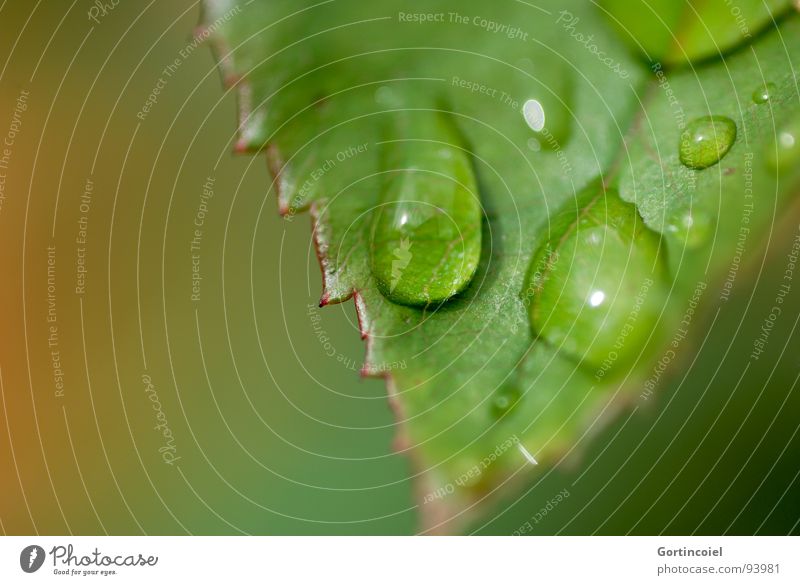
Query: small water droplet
{"type": "Point", "coordinates": [596, 298]}
{"type": "Point", "coordinates": [706, 140]}
{"type": "Point", "coordinates": [426, 234]}
{"type": "Point", "coordinates": [546, 111]}
{"type": "Point", "coordinates": [595, 286]}
{"type": "Point", "coordinates": [763, 93]}
{"type": "Point", "coordinates": [385, 96]}
{"type": "Point", "coordinates": [550, 123]}
{"type": "Point", "coordinates": [504, 399]}
{"type": "Point", "coordinates": [533, 112]}
{"type": "Point", "coordinates": [785, 150]}
{"type": "Point", "coordinates": [691, 228]}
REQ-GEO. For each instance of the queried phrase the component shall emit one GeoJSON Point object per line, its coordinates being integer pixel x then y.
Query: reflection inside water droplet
{"type": "Point", "coordinates": [597, 298]}
{"type": "Point", "coordinates": [785, 151]}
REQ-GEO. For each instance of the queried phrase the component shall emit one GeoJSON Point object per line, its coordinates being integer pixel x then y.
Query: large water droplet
{"type": "Point", "coordinates": [595, 285]}
{"type": "Point", "coordinates": [785, 151]}
{"type": "Point", "coordinates": [426, 234]}
{"type": "Point", "coordinates": [706, 140]}
{"type": "Point", "coordinates": [763, 93]}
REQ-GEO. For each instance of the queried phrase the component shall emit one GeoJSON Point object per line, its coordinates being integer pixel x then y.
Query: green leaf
{"type": "Point", "coordinates": [677, 31]}
{"type": "Point", "coordinates": [535, 103]}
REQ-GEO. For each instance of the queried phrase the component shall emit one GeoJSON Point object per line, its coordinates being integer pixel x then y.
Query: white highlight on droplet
{"type": "Point", "coordinates": [786, 139]}
{"type": "Point", "coordinates": [525, 453]}
{"type": "Point", "coordinates": [533, 112]}
{"type": "Point", "coordinates": [597, 297]}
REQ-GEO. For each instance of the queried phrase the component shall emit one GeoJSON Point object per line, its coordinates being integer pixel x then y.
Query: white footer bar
{"type": "Point", "coordinates": [400, 560]}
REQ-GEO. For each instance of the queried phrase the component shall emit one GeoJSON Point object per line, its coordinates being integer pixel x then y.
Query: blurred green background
{"type": "Point", "coordinates": [270, 429]}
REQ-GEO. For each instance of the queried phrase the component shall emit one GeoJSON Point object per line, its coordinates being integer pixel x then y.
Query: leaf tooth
{"type": "Point", "coordinates": [281, 181]}
{"type": "Point", "coordinates": [362, 314]}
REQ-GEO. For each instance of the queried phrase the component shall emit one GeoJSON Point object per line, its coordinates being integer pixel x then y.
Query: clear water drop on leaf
{"type": "Point", "coordinates": [763, 93]}
{"type": "Point", "coordinates": [547, 113]}
{"type": "Point", "coordinates": [387, 97]}
{"type": "Point", "coordinates": [505, 399]}
{"type": "Point", "coordinates": [785, 151]}
{"type": "Point", "coordinates": [533, 112]}
{"type": "Point", "coordinates": [692, 228]}
{"type": "Point", "coordinates": [706, 140]}
{"type": "Point", "coordinates": [426, 233]}
{"type": "Point", "coordinates": [595, 286]}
